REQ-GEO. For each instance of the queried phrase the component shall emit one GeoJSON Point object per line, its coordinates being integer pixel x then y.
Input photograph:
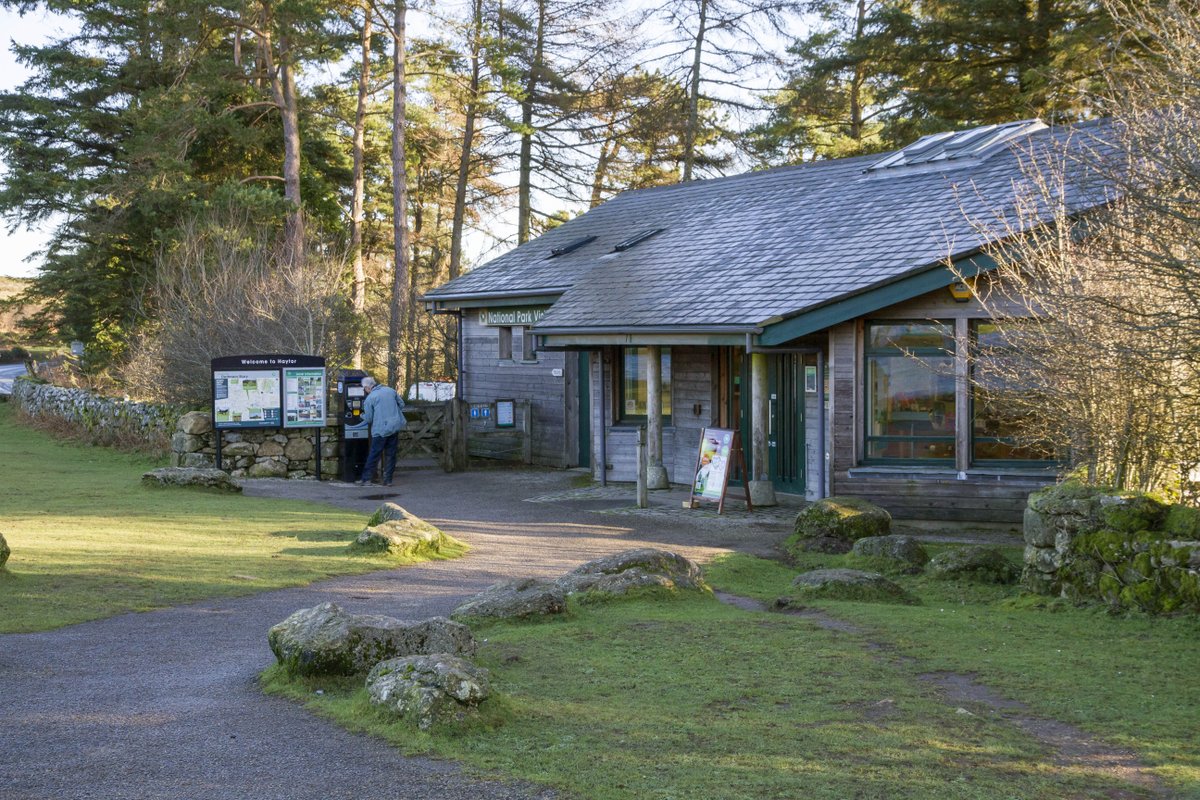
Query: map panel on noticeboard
{"type": "Point", "coordinates": [303, 397]}
{"type": "Point", "coordinates": [246, 399]}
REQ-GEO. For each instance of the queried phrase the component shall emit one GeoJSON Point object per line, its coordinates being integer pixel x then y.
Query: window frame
{"type": "Point", "coordinates": [528, 345]}
{"type": "Point", "coordinates": [893, 351]}
{"type": "Point", "coordinates": [620, 416]}
{"type": "Point", "coordinates": [505, 349]}
{"type": "Point", "coordinates": [972, 393]}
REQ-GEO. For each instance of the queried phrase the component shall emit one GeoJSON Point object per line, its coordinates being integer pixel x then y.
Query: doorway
{"type": "Point", "coordinates": [584, 409]}
{"type": "Point", "coordinates": [785, 434]}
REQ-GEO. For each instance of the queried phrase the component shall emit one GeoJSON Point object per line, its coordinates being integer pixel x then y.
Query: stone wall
{"type": "Point", "coordinates": [102, 417]}
{"type": "Point", "coordinates": [253, 453]}
{"type": "Point", "coordinates": [1124, 548]}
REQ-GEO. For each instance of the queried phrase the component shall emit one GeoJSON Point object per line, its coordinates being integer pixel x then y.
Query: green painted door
{"type": "Point", "coordinates": [785, 435]}
{"type": "Point", "coordinates": [585, 409]}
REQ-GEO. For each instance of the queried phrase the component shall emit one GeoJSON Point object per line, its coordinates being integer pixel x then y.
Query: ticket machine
{"type": "Point", "coordinates": [355, 435]}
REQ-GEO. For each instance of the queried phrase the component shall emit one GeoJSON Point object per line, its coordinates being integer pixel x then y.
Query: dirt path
{"type": "Point", "coordinates": [165, 704]}
{"type": "Point", "coordinates": [1069, 746]}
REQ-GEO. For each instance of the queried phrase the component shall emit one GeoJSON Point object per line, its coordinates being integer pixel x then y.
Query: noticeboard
{"type": "Point", "coordinates": [249, 391]}
{"type": "Point", "coordinates": [506, 413]}
{"type": "Point", "coordinates": [303, 397]}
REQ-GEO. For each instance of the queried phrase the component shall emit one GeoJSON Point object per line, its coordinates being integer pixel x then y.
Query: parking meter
{"type": "Point", "coordinates": [354, 433]}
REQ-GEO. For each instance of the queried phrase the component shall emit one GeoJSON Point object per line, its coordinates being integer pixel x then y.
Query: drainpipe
{"type": "Point", "coordinates": [604, 416]}
{"type": "Point", "coordinates": [458, 388]}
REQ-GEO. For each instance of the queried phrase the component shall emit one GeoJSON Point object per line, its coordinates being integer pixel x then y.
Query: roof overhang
{"type": "Point", "coordinates": [914, 284]}
{"type": "Point", "coordinates": [551, 338]}
{"type": "Point", "coordinates": [449, 303]}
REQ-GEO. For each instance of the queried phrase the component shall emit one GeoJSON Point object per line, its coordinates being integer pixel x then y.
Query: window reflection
{"type": "Point", "coordinates": [910, 391]}
{"type": "Point", "coordinates": [634, 370]}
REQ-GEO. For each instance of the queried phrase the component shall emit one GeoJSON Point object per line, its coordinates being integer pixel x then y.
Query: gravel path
{"type": "Point", "coordinates": [165, 704]}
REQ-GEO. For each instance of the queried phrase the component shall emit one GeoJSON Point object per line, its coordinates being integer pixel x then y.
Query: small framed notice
{"type": "Point", "coordinates": [506, 413]}
{"type": "Point", "coordinates": [810, 379]}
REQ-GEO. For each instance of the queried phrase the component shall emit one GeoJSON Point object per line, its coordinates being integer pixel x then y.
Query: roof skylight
{"type": "Point", "coordinates": [637, 238]}
{"type": "Point", "coordinates": [570, 247]}
{"type": "Point", "coordinates": [975, 144]}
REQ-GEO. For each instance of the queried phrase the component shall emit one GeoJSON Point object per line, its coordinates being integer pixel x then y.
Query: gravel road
{"type": "Point", "coordinates": [165, 704]}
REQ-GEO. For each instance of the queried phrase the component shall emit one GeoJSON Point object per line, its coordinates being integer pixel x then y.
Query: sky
{"type": "Point", "coordinates": [17, 246]}
{"type": "Point", "coordinates": [33, 28]}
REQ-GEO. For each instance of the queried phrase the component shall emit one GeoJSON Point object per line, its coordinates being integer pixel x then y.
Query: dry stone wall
{"type": "Point", "coordinates": [1123, 548]}
{"type": "Point", "coordinates": [97, 415]}
{"type": "Point", "coordinates": [254, 453]}
{"type": "Point", "coordinates": [268, 453]}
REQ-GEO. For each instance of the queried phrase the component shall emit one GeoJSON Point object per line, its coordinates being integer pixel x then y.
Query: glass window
{"type": "Point", "coordinates": [997, 424]}
{"type": "Point", "coordinates": [634, 368]}
{"type": "Point", "coordinates": [910, 391]}
{"type": "Point", "coordinates": [505, 352]}
{"type": "Point", "coordinates": [528, 345]}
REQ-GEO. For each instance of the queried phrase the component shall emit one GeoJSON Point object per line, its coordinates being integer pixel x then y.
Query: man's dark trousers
{"type": "Point", "coordinates": [381, 446]}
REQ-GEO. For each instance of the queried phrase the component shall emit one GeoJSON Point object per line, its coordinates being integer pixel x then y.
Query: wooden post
{"type": "Point", "coordinates": [761, 488]}
{"type": "Point", "coordinates": [962, 396]}
{"type": "Point", "coordinates": [643, 490]}
{"type": "Point", "coordinates": [656, 473]}
{"type": "Point", "coordinates": [318, 453]}
{"type": "Point", "coordinates": [527, 432]}
{"type": "Point", "coordinates": [454, 435]}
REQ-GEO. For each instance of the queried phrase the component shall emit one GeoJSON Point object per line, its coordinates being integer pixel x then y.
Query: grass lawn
{"type": "Point", "coordinates": [694, 699]}
{"type": "Point", "coordinates": [90, 541]}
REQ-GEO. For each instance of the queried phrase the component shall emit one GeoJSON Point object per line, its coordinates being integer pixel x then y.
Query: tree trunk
{"type": "Point", "coordinates": [689, 134]}
{"type": "Point", "coordinates": [464, 155]}
{"type": "Point", "coordinates": [283, 92]}
{"type": "Point", "coordinates": [856, 83]}
{"type": "Point", "coordinates": [357, 216]}
{"type": "Point", "coordinates": [608, 149]}
{"type": "Point", "coordinates": [291, 153]}
{"type": "Point", "coordinates": [524, 200]}
{"type": "Point", "coordinates": [399, 198]}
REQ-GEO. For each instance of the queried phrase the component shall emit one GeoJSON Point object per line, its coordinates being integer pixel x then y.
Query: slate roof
{"type": "Point", "coordinates": [750, 249]}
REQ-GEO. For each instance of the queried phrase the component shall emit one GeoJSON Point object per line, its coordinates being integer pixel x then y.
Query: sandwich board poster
{"type": "Point", "coordinates": [246, 398]}
{"type": "Point", "coordinates": [303, 397]}
{"type": "Point", "coordinates": [712, 465]}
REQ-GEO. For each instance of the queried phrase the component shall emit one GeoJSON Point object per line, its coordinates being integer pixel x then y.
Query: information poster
{"type": "Point", "coordinates": [506, 414]}
{"type": "Point", "coordinates": [712, 466]}
{"type": "Point", "coordinates": [303, 397]}
{"type": "Point", "coordinates": [246, 398]}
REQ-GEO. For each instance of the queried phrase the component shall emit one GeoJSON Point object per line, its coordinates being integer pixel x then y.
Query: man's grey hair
{"type": "Point", "coordinates": [369, 382]}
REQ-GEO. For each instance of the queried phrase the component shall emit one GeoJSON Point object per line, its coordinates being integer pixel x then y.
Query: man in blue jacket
{"type": "Point", "coordinates": [383, 410]}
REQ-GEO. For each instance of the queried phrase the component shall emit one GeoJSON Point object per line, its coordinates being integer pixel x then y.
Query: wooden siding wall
{"type": "Point", "coordinates": [487, 378]}
{"type": "Point", "coordinates": [812, 457]}
{"type": "Point", "coordinates": [913, 492]}
{"type": "Point", "coordinates": [691, 386]}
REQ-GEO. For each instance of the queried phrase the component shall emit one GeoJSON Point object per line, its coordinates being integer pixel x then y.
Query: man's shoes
{"type": "Point", "coordinates": [360, 483]}
{"type": "Point", "coordinates": [387, 483]}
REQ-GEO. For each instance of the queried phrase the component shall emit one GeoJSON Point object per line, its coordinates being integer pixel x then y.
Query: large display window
{"type": "Point", "coordinates": [635, 366]}
{"type": "Point", "coordinates": [909, 383]}
{"type": "Point", "coordinates": [999, 428]}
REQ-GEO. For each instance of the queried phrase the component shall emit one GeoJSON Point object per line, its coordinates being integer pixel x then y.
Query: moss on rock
{"type": "Point", "coordinates": [845, 584]}
{"type": "Point", "coordinates": [975, 563]}
{"type": "Point", "coordinates": [834, 524]}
